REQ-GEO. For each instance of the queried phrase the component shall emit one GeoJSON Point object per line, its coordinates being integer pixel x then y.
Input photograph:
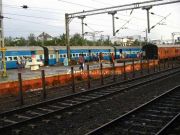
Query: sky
{"type": "Point", "coordinates": [48, 16]}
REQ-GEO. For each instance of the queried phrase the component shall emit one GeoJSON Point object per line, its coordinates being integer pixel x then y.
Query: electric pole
{"type": "Point", "coordinates": [82, 25]}
{"type": "Point", "coordinates": [113, 24]}
{"type": "Point", "coordinates": [67, 21]}
{"type": "Point", "coordinates": [2, 49]}
{"type": "Point", "coordinates": [147, 8]}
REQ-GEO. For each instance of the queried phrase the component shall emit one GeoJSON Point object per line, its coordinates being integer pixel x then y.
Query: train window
{"type": "Point", "coordinates": [40, 56]}
{"type": "Point", "coordinates": [61, 55]}
{"type": "Point", "coordinates": [9, 59]}
{"type": "Point", "coordinates": [51, 56]}
{"type": "Point", "coordinates": [74, 55]}
{"type": "Point", "coordinates": [64, 55]}
{"type": "Point", "coordinates": [15, 58]}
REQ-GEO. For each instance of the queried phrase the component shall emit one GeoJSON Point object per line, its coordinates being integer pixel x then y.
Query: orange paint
{"type": "Point", "coordinates": [12, 88]}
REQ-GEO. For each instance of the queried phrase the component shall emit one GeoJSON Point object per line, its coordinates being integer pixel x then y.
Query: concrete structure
{"type": "Point", "coordinates": [127, 40]}
{"type": "Point", "coordinates": [44, 37]}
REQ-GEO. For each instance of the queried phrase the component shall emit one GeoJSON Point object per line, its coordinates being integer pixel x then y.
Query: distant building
{"type": "Point", "coordinates": [127, 40]}
{"type": "Point", "coordinates": [44, 36]}
{"type": "Point", "coordinates": [157, 42]}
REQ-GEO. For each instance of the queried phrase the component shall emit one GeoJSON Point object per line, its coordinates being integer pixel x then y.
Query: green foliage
{"type": "Point", "coordinates": [9, 41]}
{"type": "Point", "coordinates": [75, 40]}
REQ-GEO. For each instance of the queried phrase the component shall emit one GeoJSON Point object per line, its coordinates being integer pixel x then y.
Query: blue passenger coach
{"type": "Point", "coordinates": [52, 55]}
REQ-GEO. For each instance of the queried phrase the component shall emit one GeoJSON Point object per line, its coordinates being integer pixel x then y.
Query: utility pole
{"type": "Point", "coordinates": [82, 25]}
{"type": "Point", "coordinates": [2, 49]}
{"type": "Point", "coordinates": [113, 24]}
{"type": "Point", "coordinates": [67, 21]}
{"type": "Point", "coordinates": [146, 35]}
{"type": "Point", "coordinates": [147, 8]}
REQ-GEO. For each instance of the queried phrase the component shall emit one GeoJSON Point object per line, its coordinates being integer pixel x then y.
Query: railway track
{"type": "Point", "coordinates": [18, 117]}
{"type": "Point", "coordinates": [152, 118]}
{"type": "Point", "coordinates": [171, 128]}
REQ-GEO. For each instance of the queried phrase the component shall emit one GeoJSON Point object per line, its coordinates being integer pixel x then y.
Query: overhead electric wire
{"type": "Point", "coordinates": [37, 17]}
{"type": "Point", "coordinates": [89, 27]}
{"type": "Point", "coordinates": [102, 2]}
{"type": "Point", "coordinates": [33, 22]}
{"type": "Point", "coordinates": [30, 8]}
{"type": "Point", "coordinates": [76, 4]}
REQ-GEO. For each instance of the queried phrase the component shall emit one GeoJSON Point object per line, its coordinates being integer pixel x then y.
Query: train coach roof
{"type": "Point", "coordinates": [78, 47]}
{"type": "Point", "coordinates": [169, 45]}
{"type": "Point", "coordinates": [127, 47]}
{"type": "Point", "coordinates": [23, 48]}
{"type": "Point", "coordinates": [89, 47]}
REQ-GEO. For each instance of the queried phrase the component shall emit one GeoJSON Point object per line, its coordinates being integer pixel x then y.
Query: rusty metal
{"type": "Point", "coordinates": [124, 67]}
{"type": "Point", "coordinates": [141, 67]}
{"type": "Point", "coordinates": [88, 78]}
{"type": "Point", "coordinates": [133, 68]}
{"type": "Point", "coordinates": [101, 70]}
{"type": "Point", "coordinates": [43, 84]}
{"type": "Point", "coordinates": [164, 63]}
{"type": "Point", "coordinates": [73, 79]}
{"type": "Point", "coordinates": [154, 65]}
{"type": "Point", "coordinates": [21, 98]}
{"type": "Point", "coordinates": [148, 66]}
{"type": "Point", "coordinates": [159, 65]}
{"type": "Point", "coordinates": [114, 72]}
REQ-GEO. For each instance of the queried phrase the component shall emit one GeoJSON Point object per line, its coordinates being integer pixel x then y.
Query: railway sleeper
{"type": "Point", "coordinates": [169, 104]}
{"type": "Point", "coordinates": [164, 112]}
{"type": "Point", "coordinates": [165, 108]}
{"type": "Point", "coordinates": [134, 131]}
{"type": "Point", "coordinates": [10, 121]}
{"type": "Point", "coordinates": [45, 109]}
{"type": "Point", "coordinates": [56, 107]}
{"type": "Point", "coordinates": [80, 99]}
{"type": "Point", "coordinates": [21, 116]}
{"type": "Point", "coordinates": [73, 101]}
{"type": "Point", "coordinates": [148, 121]}
{"type": "Point", "coordinates": [33, 112]}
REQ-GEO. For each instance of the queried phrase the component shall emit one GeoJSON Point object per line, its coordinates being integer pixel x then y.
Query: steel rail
{"type": "Point", "coordinates": [90, 98]}
{"type": "Point", "coordinates": [107, 126]}
{"type": "Point", "coordinates": [169, 126]}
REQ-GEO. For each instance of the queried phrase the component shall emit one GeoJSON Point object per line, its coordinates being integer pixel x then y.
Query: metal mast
{"type": "Point", "coordinates": [2, 46]}
{"type": "Point", "coordinates": [138, 5]}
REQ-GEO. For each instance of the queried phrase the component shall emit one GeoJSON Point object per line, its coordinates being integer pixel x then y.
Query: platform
{"type": "Point", "coordinates": [49, 70]}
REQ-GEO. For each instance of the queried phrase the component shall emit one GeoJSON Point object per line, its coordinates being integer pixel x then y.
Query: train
{"type": "Point", "coordinates": [161, 52]}
{"type": "Point", "coordinates": [53, 55]}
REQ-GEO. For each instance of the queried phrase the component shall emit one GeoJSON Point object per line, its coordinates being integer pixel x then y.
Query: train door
{"type": "Point", "coordinates": [90, 56]}
{"type": "Point", "coordinates": [46, 56]}
{"type": "Point", "coordinates": [120, 53]}
{"type": "Point", "coordinates": [57, 56]}
{"type": "Point", "coordinates": [33, 52]}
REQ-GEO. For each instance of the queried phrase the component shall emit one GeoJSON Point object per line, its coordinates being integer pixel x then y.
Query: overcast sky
{"type": "Point", "coordinates": [48, 16]}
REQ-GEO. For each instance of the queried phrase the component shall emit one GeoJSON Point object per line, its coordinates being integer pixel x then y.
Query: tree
{"type": "Point", "coordinates": [32, 39]}
{"type": "Point", "coordinates": [20, 41]}
{"type": "Point", "coordinates": [77, 40]}
{"type": "Point", "coordinates": [8, 41]}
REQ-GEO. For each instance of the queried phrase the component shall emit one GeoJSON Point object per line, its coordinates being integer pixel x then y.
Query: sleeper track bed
{"type": "Point", "coordinates": [19, 117]}
{"type": "Point", "coordinates": [151, 118]}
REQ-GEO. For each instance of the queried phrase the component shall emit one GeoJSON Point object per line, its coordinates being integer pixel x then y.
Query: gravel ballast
{"type": "Point", "coordinates": [81, 120]}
